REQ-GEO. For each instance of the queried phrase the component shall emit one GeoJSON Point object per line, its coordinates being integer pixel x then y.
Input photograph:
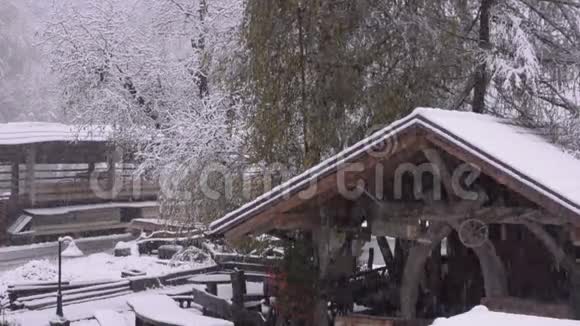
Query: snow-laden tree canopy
{"type": "Point", "coordinates": [365, 63]}
{"type": "Point", "coordinates": [190, 81]}
{"type": "Point", "coordinates": [154, 71]}
{"type": "Point", "coordinates": [148, 68]}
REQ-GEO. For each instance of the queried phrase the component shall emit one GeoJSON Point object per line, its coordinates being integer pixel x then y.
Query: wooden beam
{"type": "Point", "coordinates": [31, 174]}
{"type": "Point", "coordinates": [386, 251]}
{"type": "Point", "coordinates": [295, 222]}
{"type": "Point", "coordinates": [111, 172]}
{"type": "Point", "coordinates": [424, 211]}
{"type": "Point", "coordinates": [255, 226]}
{"type": "Point", "coordinates": [407, 230]}
{"type": "Point", "coordinates": [91, 168]}
{"type": "Point", "coordinates": [445, 174]}
{"type": "Point", "coordinates": [282, 222]}
{"type": "Point", "coordinates": [559, 255]}
{"type": "Point", "coordinates": [537, 216]}
{"type": "Point", "coordinates": [15, 182]}
{"type": "Point", "coordinates": [325, 188]}
{"type": "Point", "coordinates": [561, 258]}
{"type": "Point", "coordinates": [492, 269]}
{"type": "Point", "coordinates": [414, 268]}
{"type": "Point", "coordinates": [371, 258]}
{"type": "Point", "coordinates": [504, 178]}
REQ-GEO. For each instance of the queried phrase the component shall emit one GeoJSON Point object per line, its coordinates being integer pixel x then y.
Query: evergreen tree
{"type": "Point", "coordinates": [319, 74]}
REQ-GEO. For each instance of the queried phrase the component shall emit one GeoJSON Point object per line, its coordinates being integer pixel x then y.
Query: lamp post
{"type": "Point", "coordinates": [71, 251]}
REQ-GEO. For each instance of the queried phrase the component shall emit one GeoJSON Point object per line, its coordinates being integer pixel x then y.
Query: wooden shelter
{"type": "Point", "coordinates": [478, 208]}
{"type": "Point", "coordinates": [59, 179]}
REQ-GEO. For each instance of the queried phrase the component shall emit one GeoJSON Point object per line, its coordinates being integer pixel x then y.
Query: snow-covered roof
{"type": "Point", "coordinates": [18, 133]}
{"type": "Point", "coordinates": [515, 151]}
{"type": "Point", "coordinates": [77, 208]}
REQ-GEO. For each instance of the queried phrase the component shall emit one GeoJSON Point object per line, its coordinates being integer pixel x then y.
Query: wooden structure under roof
{"type": "Point", "coordinates": [59, 179]}
{"type": "Point", "coordinates": [480, 209]}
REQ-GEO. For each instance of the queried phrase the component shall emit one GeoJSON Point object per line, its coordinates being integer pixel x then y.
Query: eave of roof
{"type": "Point", "coordinates": [22, 133]}
{"type": "Point", "coordinates": [419, 117]}
{"type": "Point", "coordinates": [301, 181]}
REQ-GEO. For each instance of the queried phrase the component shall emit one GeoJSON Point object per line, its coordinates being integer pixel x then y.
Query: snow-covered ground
{"type": "Point", "coordinates": [98, 266]}
{"type": "Point", "coordinates": [481, 316]}
{"type": "Point", "coordinates": [83, 314]}
{"type": "Point", "coordinates": [102, 266]}
{"type": "Point", "coordinates": [92, 267]}
{"type": "Point", "coordinates": [14, 256]}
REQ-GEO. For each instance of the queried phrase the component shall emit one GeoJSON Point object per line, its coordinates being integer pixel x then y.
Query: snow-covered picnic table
{"type": "Point", "coordinates": [162, 310]}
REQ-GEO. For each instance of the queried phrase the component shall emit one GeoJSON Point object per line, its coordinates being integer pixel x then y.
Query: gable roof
{"type": "Point", "coordinates": [514, 151]}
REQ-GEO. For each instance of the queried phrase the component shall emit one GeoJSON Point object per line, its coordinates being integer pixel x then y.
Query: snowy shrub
{"type": "Point", "coordinates": [36, 270]}
{"type": "Point", "coordinates": [7, 321]}
{"type": "Point", "coordinates": [192, 255]}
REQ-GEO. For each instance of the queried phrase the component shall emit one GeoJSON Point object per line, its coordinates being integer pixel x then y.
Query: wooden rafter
{"type": "Point", "coordinates": [324, 190]}
{"type": "Point", "coordinates": [503, 178]}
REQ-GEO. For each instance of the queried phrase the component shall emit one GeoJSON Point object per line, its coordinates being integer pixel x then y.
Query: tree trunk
{"type": "Point", "coordinates": [481, 77]}
{"type": "Point", "coordinates": [201, 75]}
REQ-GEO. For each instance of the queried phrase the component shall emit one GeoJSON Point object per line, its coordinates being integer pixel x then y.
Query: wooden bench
{"type": "Point", "coordinates": [223, 308]}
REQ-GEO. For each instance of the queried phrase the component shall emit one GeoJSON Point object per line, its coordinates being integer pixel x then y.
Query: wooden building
{"type": "Point", "coordinates": [481, 210]}
{"type": "Point", "coordinates": [58, 179]}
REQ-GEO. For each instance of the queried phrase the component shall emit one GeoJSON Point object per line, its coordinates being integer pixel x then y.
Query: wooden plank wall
{"type": "Point", "coordinates": [65, 184]}
{"type": "Point", "coordinates": [3, 220]}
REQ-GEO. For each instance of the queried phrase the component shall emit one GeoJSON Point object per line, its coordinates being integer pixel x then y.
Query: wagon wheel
{"type": "Point", "coordinates": [473, 233]}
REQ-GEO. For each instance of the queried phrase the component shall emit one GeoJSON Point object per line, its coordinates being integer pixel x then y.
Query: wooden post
{"type": "Point", "coordinates": [31, 175]}
{"type": "Point", "coordinates": [402, 248]}
{"type": "Point", "coordinates": [15, 182]}
{"type": "Point", "coordinates": [434, 281]}
{"type": "Point", "coordinates": [414, 268]}
{"type": "Point", "coordinates": [322, 240]}
{"type": "Point", "coordinates": [3, 222]}
{"type": "Point", "coordinates": [111, 173]}
{"type": "Point", "coordinates": [562, 259]}
{"type": "Point", "coordinates": [211, 288]}
{"type": "Point", "coordinates": [238, 288]}
{"type": "Point", "coordinates": [574, 300]}
{"type": "Point", "coordinates": [386, 252]}
{"type": "Point", "coordinates": [371, 259]}
{"type": "Point", "coordinates": [91, 169]}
